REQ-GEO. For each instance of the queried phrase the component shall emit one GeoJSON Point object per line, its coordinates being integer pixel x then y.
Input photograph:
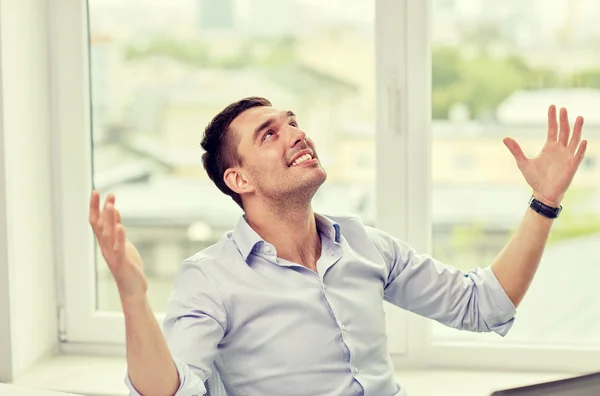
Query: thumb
{"type": "Point", "coordinates": [515, 150]}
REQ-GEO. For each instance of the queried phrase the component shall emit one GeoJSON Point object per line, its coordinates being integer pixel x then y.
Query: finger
{"type": "Point", "coordinates": [110, 198]}
{"type": "Point", "coordinates": [118, 216]}
{"type": "Point", "coordinates": [580, 153]}
{"type": "Point", "coordinates": [109, 226]}
{"type": "Point", "coordinates": [565, 129]}
{"type": "Point", "coordinates": [516, 151]}
{"type": "Point", "coordinates": [108, 219]}
{"type": "Point", "coordinates": [94, 209]}
{"type": "Point", "coordinates": [576, 137]}
{"type": "Point", "coordinates": [119, 243]}
{"type": "Point", "coordinates": [552, 124]}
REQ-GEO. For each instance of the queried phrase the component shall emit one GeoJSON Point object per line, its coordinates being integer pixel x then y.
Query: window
{"type": "Point", "coordinates": [463, 161]}
{"type": "Point", "coordinates": [589, 163]}
{"type": "Point", "coordinates": [153, 83]}
{"type": "Point", "coordinates": [130, 105]}
{"type": "Point", "coordinates": [504, 63]}
{"type": "Point", "coordinates": [158, 80]}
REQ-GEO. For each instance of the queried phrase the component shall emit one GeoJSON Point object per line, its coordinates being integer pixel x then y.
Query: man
{"type": "Point", "coordinates": [291, 302]}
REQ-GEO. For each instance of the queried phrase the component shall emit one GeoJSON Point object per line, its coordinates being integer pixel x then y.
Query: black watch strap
{"type": "Point", "coordinates": [543, 209]}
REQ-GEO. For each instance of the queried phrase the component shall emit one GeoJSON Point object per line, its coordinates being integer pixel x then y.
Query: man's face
{"type": "Point", "coordinates": [279, 161]}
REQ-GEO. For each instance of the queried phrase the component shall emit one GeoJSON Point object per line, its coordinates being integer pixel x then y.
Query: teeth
{"type": "Point", "coordinates": [301, 159]}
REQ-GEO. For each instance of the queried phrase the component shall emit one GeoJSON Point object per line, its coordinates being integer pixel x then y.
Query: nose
{"type": "Point", "coordinates": [297, 137]}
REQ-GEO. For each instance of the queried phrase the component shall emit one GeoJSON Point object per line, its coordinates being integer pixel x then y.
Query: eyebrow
{"type": "Point", "coordinates": [267, 124]}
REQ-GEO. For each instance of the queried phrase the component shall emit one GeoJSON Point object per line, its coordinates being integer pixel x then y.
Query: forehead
{"type": "Point", "coordinates": [245, 123]}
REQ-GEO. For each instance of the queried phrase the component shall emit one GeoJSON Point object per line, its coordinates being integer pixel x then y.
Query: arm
{"type": "Point", "coordinates": [150, 365]}
{"type": "Point", "coordinates": [151, 368]}
{"type": "Point", "coordinates": [517, 263]}
{"type": "Point", "coordinates": [549, 175]}
{"type": "Point", "coordinates": [194, 325]}
{"type": "Point", "coordinates": [195, 322]}
{"type": "Point", "coordinates": [473, 301]}
{"type": "Point", "coordinates": [484, 300]}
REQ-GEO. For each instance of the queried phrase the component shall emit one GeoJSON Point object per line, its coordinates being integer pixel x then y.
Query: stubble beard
{"type": "Point", "coordinates": [287, 195]}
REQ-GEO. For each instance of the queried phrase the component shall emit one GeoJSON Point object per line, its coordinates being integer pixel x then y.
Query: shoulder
{"type": "Point", "coordinates": [348, 224]}
{"type": "Point", "coordinates": [207, 266]}
{"type": "Point", "coordinates": [222, 251]}
{"type": "Point", "coordinates": [353, 226]}
{"type": "Point", "coordinates": [356, 231]}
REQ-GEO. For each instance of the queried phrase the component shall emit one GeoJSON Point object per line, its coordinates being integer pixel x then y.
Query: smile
{"type": "Point", "coordinates": [301, 159]}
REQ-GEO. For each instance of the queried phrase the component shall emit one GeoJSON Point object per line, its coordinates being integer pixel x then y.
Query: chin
{"type": "Point", "coordinates": [318, 178]}
{"type": "Point", "coordinates": [314, 184]}
{"type": "Point", "coordinates": [303, 191]}
{"type": "Point", "coordinates": [323, 176]}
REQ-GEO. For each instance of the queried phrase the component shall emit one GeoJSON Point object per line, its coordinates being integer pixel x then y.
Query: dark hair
{"type": "Point", "coordinates": [221, 146]}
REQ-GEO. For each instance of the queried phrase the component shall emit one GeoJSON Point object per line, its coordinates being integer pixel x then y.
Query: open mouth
{"type": "Point", "coordinates": [301, 159]}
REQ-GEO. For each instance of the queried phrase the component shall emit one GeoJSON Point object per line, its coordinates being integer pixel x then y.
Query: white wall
{"type": "Point", "coordinates": [5, 345]}
{"type": "Point", "coordinates": [26, 187]}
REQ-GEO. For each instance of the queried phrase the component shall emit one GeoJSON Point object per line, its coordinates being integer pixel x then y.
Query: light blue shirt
{"type": "Point", "coordinates": [272, 327]}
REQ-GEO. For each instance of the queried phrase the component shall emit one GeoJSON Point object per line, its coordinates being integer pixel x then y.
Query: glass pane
{"type": "Point", "coordinates": [497, 66]}
{"type": "Point", "coordinates": [160, 70]}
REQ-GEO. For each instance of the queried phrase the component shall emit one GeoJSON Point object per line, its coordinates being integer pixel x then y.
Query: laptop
{"type": "Point", "coordinates": [585, 385]}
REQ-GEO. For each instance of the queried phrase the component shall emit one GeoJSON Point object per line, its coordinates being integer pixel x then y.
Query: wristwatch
{"type": "Point", "coordinates": [543, 209]}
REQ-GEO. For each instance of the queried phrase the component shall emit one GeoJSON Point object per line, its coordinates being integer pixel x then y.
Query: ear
{"type": "Point", "coordinates": [237, 181]}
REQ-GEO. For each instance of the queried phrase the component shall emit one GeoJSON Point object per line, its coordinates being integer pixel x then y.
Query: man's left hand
{"type": "Point", "coordinates": [551, 172]}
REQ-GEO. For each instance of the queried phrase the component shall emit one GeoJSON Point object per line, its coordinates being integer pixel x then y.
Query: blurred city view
{"type": "Point", "coordinates": [160, 70]}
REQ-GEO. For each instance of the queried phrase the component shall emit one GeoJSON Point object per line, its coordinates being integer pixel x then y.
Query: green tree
{"type": "Point", "coordinates": [253, 51]}
{"type": "Point", "coordinates": [574, 223]}
{"type": "Point", "coordinates": [586, 78]}
{"type": "Point", "coordinates": [482, 81]}
{"type": "Point", "coordinates": [189, 52]}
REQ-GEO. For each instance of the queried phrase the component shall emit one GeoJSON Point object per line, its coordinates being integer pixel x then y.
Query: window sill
{"type": "Point", "coordinates": [79, 374]}
{"type": "Point", "coordinates": [103, 376]}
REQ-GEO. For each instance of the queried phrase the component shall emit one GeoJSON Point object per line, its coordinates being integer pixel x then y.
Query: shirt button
{"type": "Point", "coordinates": [324, 286]}
{"type": "Point", "coordinates": [355, 370]}
{"type": "Point", "coordinates": [268, 250]}
{"type": "Point", "coordinates": [344, 328]}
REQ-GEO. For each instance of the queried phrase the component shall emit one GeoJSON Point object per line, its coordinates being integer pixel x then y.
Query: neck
{"type": "Point", "coordinates": [292, 230]}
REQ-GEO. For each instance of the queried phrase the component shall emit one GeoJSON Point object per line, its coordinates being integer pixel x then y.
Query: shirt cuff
{"type": "Point", "coordinates": [189, 383]}
{"type": "Point", "coordinates": [496, 307]}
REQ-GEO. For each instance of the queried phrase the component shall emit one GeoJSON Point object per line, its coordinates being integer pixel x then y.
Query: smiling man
{"type": "Point", "coordinates": [291, 302]}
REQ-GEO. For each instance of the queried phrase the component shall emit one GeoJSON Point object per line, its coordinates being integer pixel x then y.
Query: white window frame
{"type": "Point", "coordinates": [422, 351]}
{"type": "Point", "coordinates": [403, 138]}
{"type": "Point", "coordinates": [82, 326]}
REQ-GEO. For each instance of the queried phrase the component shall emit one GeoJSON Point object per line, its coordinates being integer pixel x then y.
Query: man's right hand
{"type": "Point", "coordinates": [122, 257]}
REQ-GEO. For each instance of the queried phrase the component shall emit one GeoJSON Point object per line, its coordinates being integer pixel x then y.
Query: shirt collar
{"type": "Point", "coordinates": [328, 227]}
{"type": "Point", "coordinates": [246, 238]}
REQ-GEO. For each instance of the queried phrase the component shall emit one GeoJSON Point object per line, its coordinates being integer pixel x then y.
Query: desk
{"type": "Point", "coordinates": [16, 390]}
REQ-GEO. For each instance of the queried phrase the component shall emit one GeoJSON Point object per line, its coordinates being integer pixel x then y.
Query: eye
{"type": "Point", "coordinates": [268, 134]}
{"type": "Point", "coordinates": [294, 124]}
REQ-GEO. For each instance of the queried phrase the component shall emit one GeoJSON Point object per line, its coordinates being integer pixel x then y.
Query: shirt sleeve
{"type": "Point", "coordinates": [473, 300]}
{"type": "Point", "coordinates": [194, 325]}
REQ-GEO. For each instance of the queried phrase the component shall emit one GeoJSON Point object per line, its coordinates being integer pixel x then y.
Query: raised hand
{"type": "Point", "coordinates": [551, 172]}
{"type": "Point", "coordinates": [122, 257]}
